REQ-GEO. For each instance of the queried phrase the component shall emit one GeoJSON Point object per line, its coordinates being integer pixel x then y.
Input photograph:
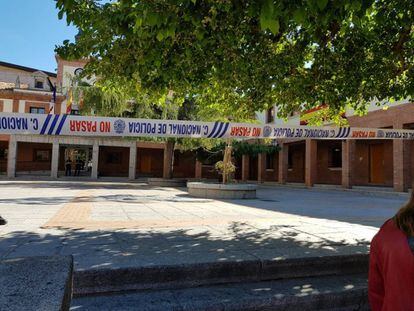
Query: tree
{"type": "Point", "coordinates": [109, 98]}
{"type": "Point", "coordinates": [295, 53]}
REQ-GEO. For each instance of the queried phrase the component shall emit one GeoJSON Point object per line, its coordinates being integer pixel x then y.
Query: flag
{"type": "Point", "coordinates": [69, 101]}
{"type": "Point", "coordinates": [54, 93]}
{"type": "Point", "coordinates": [51, 108]}
{"type": "Point", "coordinates": [52, 103]}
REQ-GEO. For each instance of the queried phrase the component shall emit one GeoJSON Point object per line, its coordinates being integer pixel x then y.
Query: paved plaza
{"type": "Point", "coordinates": [117, 224]}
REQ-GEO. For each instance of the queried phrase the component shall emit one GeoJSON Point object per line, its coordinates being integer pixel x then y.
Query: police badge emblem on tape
{"type": "Point", "coordinates": [119, 126]}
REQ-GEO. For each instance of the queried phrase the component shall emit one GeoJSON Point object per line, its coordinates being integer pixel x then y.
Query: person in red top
{"type": "Point", "coordinates": [391, 267]}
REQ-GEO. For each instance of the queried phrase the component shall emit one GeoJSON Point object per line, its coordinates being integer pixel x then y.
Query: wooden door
{"type": "Point", "coordinates": [146, 164]}
{"type": "Point", "coordinates": [376, 160]}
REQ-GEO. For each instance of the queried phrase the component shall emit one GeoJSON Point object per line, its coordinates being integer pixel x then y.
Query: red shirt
{"type": "Point", "coordinates": [391, 271]}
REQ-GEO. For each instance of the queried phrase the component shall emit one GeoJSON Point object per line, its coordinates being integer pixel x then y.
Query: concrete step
{"type": "Point", "coordinates": [97, 281]}
{"type": "Point", "coordinates": [334, 293]}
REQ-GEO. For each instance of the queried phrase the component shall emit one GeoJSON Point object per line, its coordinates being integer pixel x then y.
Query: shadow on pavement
{"type": "Point", "coordinates": [162, 246]}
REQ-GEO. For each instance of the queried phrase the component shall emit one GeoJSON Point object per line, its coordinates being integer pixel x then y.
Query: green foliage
{"type": "Point", "coordinates": [240, 148]}
{"type": "Point", "coordinates": [250, 54]}
{"type": "Point", "coordinates": [229, 168]}
{"type": "Point", "coordinates": [110, 98]}
{"type": "Point", "coordinates": [211, 154]}
{"type": "Point", "coordinates": [244, 148]}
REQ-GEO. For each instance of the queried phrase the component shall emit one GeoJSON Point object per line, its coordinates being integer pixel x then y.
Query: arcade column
{"type": "Point", "coordinates": [348, 159]}
{"type": "Point", "coordinates": [398, 165]}
{"type": "Point", "coordinates": [311, 162]}
{"type": "Point", "coordinates": [55, 160]}
{"type": "Point", "coordinates": [12, 157]}
{"type": "Point", "coordinates": [95, 160]}
{"type": "Point", "coordinates": [261, 170]}
{"type": "Point", "coordinates": [132, 161]}
{"type": "Point", "coordinates": [401, 162]}
{"type": "Point", "coordinates": [283, 163]}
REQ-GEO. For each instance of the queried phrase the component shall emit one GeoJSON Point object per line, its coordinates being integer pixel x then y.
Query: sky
{"type": "Point", "coordinates": [29, 31]}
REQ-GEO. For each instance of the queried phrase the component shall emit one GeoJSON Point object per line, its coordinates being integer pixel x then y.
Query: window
{"type": "Point", "coordinates": [3, 154]}
{"type": "Point", "coordinates": [74, 112]}
{"type": "Point", "coordinates": [42, 155]}
{"type": "Point", "coordinates": [37, 110]}
{"type": "Point", "coordinates": [270, 115]}
{"type": "Point", "coordinates": [270, 161]}
{"type": "Point", "coordinates": [114, 158]}
{"type": "Point", "coordinates": [38, 84]}
{"type": "Point", "coordinates": [336, 157]}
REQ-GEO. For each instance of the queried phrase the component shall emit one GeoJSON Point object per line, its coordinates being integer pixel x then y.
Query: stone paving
{"type": "Point", "coordinates": [115, 224]}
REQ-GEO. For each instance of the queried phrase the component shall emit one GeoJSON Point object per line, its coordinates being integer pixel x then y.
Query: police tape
{"type": "Point", "coordinates": [72, 125]}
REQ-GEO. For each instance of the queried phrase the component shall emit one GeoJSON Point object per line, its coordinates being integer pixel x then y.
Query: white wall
{"type": "Point", "coordinates": [7, 105]}
{"type": "Point", "coordinates": [295, 120]}
{"type": "Point", "coordinates": [27, 79]}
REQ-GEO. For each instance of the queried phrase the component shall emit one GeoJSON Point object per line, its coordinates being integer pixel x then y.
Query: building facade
{"type": "Point", "coordinates": [348, 163]}
{"type": "Point", "coordinates": [381, 163]}
{"type": "Point", "coordinates": [29, 90]}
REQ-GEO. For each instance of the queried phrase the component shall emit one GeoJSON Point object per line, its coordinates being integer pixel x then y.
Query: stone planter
{"type": "Point", "coordinates": [221, 191]}
{"type": "Point", "coordinates": [164, 182]}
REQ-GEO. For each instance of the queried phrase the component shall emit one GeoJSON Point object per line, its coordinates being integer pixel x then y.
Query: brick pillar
{"type": "Point", "coordinates": [132, 161]}
{"type": "Point", "coordinates": [12, 157]}
{"type": "Point", "coordinates": [283, 163]}
{"type": "Point", "coordinates": [348, 159]}
{"type": "Point", "coordinates": [245, 167]}
{"type": "Point", "coordinates": [400, 161]}
{"type": "Point", "coordinates": [198, 169]}
{"type": "Point", "coordinates": [398, 165]}
{"type": "Point", "coordinates": [261, 169]}
{"type": "Point", "coordinates": [401, 165]}
{"type": "Point", "coordinates": [95, 160]}
{"type": "Point", "coordinates": [311, 162]}
{"type": "Point", "coordinates": [55, 160]}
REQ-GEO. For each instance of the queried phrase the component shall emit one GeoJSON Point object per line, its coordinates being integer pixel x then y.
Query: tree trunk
{"type": "Point", "coordinates": [168, 159]}
{"type": "Point", "coordinates": [226, 161]}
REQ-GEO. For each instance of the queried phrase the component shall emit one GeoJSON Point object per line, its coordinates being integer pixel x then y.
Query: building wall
{"type": "Point", "coordinates": [272, 174]}
{"type": "Point", "coordinates": [239, 168]}
{"type": "Point", "coordinates": [66, 70]}
{"type": "Point", "coordinates": [184, 164]}
{"type": "Point", "coordinates": [253, 168]}
{"type": "Point", "coordinates": [150, 162]}
{"type": "Point", "coordinates": [296, 172]}
{"type": "Point", "coordinates": [27, 79]}
{"type": "Point", "coordinates": [26, 159]}
{"type": "Point", "coordinates": [362, 163]}
{"type": "Point", "coordinates": [326, 173]}
{"type": "Point", "coordinates": [20, 101]}
{"type": "Point", "coordinates": [209, 172]}
{"type": "Point", "coordinates": [409, 178]}
{"type": "Point", "coordinates": [113, 161]}
{"type": "Point", "coordinates": [4, 145]}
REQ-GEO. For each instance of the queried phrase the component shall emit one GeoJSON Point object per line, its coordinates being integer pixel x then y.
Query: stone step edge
{"type": "Point", "coordinates": [356, 299]}
{"type": "Point", "coordinates": [101, 281]}
{"type": "Point", "coordinates": [336, 299]}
